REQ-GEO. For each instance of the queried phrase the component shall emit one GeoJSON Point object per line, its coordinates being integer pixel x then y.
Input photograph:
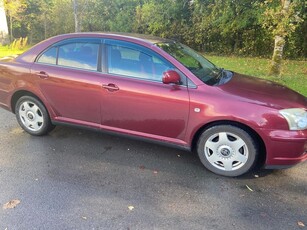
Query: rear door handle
{"type": "Point", "coordinates": [42, 74]}
{"type": "Point", "coordinates": [111, 87]}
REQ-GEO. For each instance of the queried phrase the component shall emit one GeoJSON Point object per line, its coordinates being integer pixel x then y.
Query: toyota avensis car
{"type": "Point", "coordinates": [160, 90]}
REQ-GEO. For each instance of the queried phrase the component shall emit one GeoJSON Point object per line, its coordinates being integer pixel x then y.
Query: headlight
{"type": "Point", "coordinates": [296, 118]}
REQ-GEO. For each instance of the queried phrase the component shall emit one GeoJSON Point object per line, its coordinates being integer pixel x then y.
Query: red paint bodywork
{"type": "Point", "coordinates": [162, 112]}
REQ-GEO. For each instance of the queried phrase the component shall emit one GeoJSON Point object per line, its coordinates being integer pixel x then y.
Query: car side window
{"type": "Point", "coordinates": [79, 55]}
{"type": "Point", "coordinates": [133, 62]}
{"type": "Point", "coordinates": [49, 56]}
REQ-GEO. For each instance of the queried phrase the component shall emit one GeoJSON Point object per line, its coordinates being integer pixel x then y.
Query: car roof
{"type": "Point", "coordinates": [130, 36]}
{"type": "Point", "coordinates": [147, 40]}
{"type": "Point", "coordinates": [145, 37]}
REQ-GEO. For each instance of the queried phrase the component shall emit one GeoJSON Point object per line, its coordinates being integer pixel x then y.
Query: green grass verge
{"type": "Point", "coordinates": [6, 51]}
{"type": "Point", "coordinates": [294, 74]}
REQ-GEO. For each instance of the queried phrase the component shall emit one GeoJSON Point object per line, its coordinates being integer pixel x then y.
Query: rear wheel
{"type": "Point", "coordinates": [227, 150]}
{"type": "Point", "coordinates": [32, 116]}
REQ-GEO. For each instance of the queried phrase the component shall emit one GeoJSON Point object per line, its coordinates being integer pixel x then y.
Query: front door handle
{"type": "Point", "coordinates": [42, 74]}
{"type": "Point", "coordinates": [111, 87]}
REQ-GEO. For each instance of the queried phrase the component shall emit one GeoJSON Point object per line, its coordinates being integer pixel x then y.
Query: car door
{"type": "Point", "coordinates": [135, 100]}
{"type": "Point", "coordinates": [68, 77]}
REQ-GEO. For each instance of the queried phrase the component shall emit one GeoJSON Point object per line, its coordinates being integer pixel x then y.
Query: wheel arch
{"type": "Point", "coordinates": [248, 129]}
{"type": "Point", "coordinates": [20, 93]}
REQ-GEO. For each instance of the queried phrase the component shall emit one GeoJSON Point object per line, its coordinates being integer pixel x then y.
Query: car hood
{"type": "Point", "coordinates": [263, 92]}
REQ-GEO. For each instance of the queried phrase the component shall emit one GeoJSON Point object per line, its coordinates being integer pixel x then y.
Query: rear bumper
{"type": "Point", "coordinates": [285, 148]}
{"type": "Point", "coordinates": [5, 107]}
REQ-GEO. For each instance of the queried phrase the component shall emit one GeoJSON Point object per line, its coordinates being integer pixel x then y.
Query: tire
{"type": "Point", "coordinates": [32, 116]}
{"type": "Point", "coordinates": [227, 150]}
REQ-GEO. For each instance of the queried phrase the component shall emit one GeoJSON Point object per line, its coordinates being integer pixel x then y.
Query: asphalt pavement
{"type": "Point", "coordinates": [78, 179]}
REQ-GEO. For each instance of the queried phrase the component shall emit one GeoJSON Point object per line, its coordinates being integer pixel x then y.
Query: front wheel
{"type": "Point", "coordinates": [32, 116]}
{"type": "Point", "coordinates": [227, 150]}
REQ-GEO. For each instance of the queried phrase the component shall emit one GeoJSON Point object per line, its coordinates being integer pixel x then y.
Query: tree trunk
{"type": "Point", "coordinates": [276, 64]}
{"type": "Point", "coordinates": [77, 23]}
{"type": "Point", "coordinates": [11, 28]}
{"type": "Point", "coordinates": [45, 25]}
{"type": "Point", "coordinates": [31, 36]}
{"type": "Point", "coordinates": [4, 32]}
{"type": "Point", "coordinates": [277, 56]}
{"type": "Point", "coordinates": [237, 44]}
{"type": "Point", "coordinates": [304, 34]}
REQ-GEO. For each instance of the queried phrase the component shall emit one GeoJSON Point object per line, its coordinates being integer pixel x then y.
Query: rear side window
{"type": "Point", "coordinates": [49, 57]}
{"type": "Point", "coordinates": [76, 54]}
{"type": "Point", "coordinates": [79, 55]}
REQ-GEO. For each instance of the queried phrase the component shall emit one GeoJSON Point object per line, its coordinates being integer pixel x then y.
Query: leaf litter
{"type": "Point", "coordinates": [301, 224]}
{"type": "Point", "coordinates": [11, 204]}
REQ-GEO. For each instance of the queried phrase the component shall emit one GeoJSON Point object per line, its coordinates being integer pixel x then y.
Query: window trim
{"type": "Point", "coordinates": [102, 60]}
{"type": "Point", "coordinates": [146, 80]}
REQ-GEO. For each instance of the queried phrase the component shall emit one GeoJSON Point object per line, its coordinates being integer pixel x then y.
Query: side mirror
{"type": "Point", "coordinates": [171, 77]}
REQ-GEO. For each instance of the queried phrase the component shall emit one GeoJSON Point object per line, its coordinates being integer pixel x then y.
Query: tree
{"type": "Point", "coordinates": [239, 27]}
{"type": "Point", "coordinates": [165, 18]}
{"type": "Point", "coordinates": [77, 22]}
{"type": "Point", "coordinates": [282, 18]}
{"type": "Point", "coordinates": [79, 8]}
{"type": "Point", "coordinates": [14, 9]}
{"type": "Point", "coordinates": [4, 32]}
{"type": "Point", "coordinates": [45, 8]}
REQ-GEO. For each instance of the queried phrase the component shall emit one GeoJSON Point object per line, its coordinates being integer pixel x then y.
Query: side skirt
{"type": "Point", "coordinates": [129, 136]}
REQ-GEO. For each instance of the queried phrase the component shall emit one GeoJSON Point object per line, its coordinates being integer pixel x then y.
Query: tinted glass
{"type": "Point", "coordinates": [134, 62]}
{"type": "Point", "coordinates": [79, 55]}
{"type": "Point", "coordinates": [48, 57]}
{"type": "Point", "coordinates": [196, 63]}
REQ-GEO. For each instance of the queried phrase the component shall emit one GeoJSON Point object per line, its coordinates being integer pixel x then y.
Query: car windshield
{"type": "Point", "coordinates": [196, 63]}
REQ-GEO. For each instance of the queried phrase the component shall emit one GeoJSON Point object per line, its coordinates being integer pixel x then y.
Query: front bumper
{"type": "Point", "coordinates": [285, 148]}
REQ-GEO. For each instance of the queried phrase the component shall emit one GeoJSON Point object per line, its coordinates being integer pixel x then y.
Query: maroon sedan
{"type": "Point", "coordinates": [160, 90]}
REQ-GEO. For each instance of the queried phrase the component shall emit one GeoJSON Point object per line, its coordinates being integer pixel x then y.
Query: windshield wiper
{"type": "Point", "coordinates": [219, 76]}
{"type": "Point", "coordinates": [220, 73]}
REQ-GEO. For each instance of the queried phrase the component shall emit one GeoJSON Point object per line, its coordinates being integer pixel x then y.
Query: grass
{"type": "Point", "coordinates": [294, 72]}
{"type": "Point", "coordinates": [6, 51]}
